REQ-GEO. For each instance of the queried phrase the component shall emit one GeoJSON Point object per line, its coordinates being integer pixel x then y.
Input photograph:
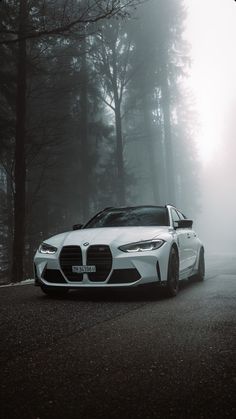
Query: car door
{"type": "Point", "coordinates": [181, 240]}
{"type": "Point", "coordinates": [190, 244]}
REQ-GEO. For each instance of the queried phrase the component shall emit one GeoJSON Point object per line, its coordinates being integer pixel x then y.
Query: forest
{"type": "Point", "coordinates": [94, 112]}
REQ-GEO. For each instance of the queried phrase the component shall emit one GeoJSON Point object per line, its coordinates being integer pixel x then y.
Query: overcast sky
{"type": "Point", "coordinates": [211, 31]}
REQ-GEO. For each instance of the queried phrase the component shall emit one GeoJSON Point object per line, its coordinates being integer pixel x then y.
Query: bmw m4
{"type": "Point", "coordinates": [122, 247]}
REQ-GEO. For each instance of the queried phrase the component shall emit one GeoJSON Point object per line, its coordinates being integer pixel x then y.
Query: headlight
{"type": "Point", "coordinates": [47, 248]}
{"type": "Point", "coordinates": [144, 246]}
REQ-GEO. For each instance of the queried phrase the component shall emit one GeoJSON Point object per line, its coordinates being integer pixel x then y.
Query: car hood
{"type": "Point", "coordinates": [109, 235]}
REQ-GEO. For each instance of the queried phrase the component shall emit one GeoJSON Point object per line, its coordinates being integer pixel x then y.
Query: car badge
{"type": "Point", "coordinates": [86, 244]}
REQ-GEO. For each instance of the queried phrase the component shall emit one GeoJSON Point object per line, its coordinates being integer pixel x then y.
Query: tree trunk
{"type": "Point", "coordinates": [119, 155]}
{"type": "Point", "coordinates": [20, 170]}
{"type": "Point", "coordinates": [167, 137]}
{"type": "Point", "coordinates": [151, 151]}
{"type": "Point", "coordinates": [119, 137]}
{"type": "Point", "coordinates": [84, 152]}
{"type": "Point", "coordinates": [9, 219]}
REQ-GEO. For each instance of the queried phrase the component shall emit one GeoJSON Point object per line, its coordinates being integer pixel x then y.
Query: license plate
{"type": "Point", "coordinates": [84, 269]}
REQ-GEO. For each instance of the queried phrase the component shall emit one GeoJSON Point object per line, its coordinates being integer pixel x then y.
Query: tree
{"type": "Point", "coordinates": [35, 21]}
{"type": "Point", "coordinates": [19, 158]}
{"type": "Point", "coordinates": [159, 60]}
{"type": "Point", "coordinates": [66, 17]}
{"type": "Point", "coordinates": [112, 64]}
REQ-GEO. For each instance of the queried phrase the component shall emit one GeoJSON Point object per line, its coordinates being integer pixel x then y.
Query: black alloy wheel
{"type": "Point", "coordinates": [172, 286]}
{"type": "Point", "coordinates": [200, 275]}
{"type": "Point", "coordinates": [54, 291]}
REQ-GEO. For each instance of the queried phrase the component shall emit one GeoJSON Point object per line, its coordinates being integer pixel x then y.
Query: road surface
{"type": "Point", "coordinates": [121, 354]}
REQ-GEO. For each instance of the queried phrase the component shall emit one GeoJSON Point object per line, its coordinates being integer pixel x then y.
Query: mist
{"type": "Point", "coordinates": [123, 107]}
{"type": "Point", "coordinates": [216, 221]}
{"type": "Point", "coordinates": [211, 33]}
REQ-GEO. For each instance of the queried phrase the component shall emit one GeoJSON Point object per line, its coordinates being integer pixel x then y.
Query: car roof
{"type": "Point", "coordinates": [134, 207]}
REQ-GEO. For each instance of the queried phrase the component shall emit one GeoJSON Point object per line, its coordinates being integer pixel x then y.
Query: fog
{"type": "Point", "coordinates": [211, 31]}
{"type": "Point", "coordinates": [114, 106]}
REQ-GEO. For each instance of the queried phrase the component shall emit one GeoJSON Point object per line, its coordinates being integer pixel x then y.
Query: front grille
{"type": "Point", "coordinates": [54, 276]}
{"type": "Point", "coordinates": [71, 256]}
{"type": "Point", "coordinates": [101, 257]}
{"type": "Point", "coordinates": [124, 276]}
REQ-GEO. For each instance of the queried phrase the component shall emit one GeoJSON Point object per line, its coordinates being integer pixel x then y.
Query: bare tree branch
{"type": "Point", "coordinates": [94, 12]}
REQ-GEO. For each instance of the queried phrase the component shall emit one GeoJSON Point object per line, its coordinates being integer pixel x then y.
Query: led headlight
{"type": "Point", "coordinates": [47, 249]}
{"type": "Point", "coordinates": [143, 246]}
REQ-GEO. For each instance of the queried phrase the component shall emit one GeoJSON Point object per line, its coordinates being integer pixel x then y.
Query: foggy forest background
{"type": "Point", "coordinates": [94, 112]}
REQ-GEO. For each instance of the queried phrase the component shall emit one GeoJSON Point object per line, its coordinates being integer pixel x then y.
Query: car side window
{"type": "Point", "coordinates": [175, 217]}
{"type": "Point", "coordinates": [181, 216]}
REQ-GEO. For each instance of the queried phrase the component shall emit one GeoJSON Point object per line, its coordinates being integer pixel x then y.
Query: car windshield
{"type": "Point", "coordinates": [130, 217]}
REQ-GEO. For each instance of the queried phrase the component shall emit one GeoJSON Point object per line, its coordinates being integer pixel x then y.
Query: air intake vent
{"type": "Point", "coordinates": [71, 256]}
{"type": "Point", "coordinates": [54, 276]}
{"type": "Point", "coordinates": [101, 257]}
{"type": "Point", "coordinates": [124, 276]}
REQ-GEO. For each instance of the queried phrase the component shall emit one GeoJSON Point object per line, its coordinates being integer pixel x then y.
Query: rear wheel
{"type": "Point", "coordinates": [54, 291]}
{"type": "Point", "coordinates": [200, 275]}
{"type": "Point", "coordinates": [172, 286]}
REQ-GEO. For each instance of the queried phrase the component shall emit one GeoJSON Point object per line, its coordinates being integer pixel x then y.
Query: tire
{"type": "Point", "coordinates": [200, 275]}
{"type": "Point", "coordinates": [172, 286]}
{"type": "Point", "coordinates": [54, 291]}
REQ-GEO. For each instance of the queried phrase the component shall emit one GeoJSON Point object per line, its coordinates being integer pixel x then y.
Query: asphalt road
{"type": "Point", "coordinates": [121, 354]}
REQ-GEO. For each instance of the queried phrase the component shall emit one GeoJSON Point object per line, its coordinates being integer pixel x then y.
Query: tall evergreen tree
{"type": "Point", "coordinates": [112, 61]}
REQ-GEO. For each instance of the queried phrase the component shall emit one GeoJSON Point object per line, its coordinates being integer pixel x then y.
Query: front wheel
{"type": "Point", "coordinates": [172, 286]}
{"type": "Point", "coordinates": [54, 291]}
{"type": "Point", "coordinates": [200, 275]}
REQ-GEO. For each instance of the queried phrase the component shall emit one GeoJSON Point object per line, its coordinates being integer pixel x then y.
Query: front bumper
{"type": "Point", "coordinates": [127, 270]}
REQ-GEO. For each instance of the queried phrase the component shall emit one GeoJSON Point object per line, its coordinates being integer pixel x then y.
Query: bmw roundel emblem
{"type": "Point", "coordinates": [86, 244]}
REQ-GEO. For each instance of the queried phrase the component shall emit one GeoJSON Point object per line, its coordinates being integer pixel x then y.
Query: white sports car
{"type": "Point", "coordinates": [122, 247]}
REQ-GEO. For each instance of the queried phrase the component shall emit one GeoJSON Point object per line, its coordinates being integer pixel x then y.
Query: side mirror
{"type": "Point", "coordinates": [184, 223]}
{"type": "Point", "coordinates": [77, 226]}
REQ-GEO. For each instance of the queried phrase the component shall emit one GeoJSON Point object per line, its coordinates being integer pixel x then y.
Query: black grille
{"type": "Point", "coordinates": [71, 256]}
{"type": "Point", "coordinates": [54, 276]}
{"type": "Point", "coordinates": [124, 276]}
{"type": "Point", "coordinates": [101, 257]}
